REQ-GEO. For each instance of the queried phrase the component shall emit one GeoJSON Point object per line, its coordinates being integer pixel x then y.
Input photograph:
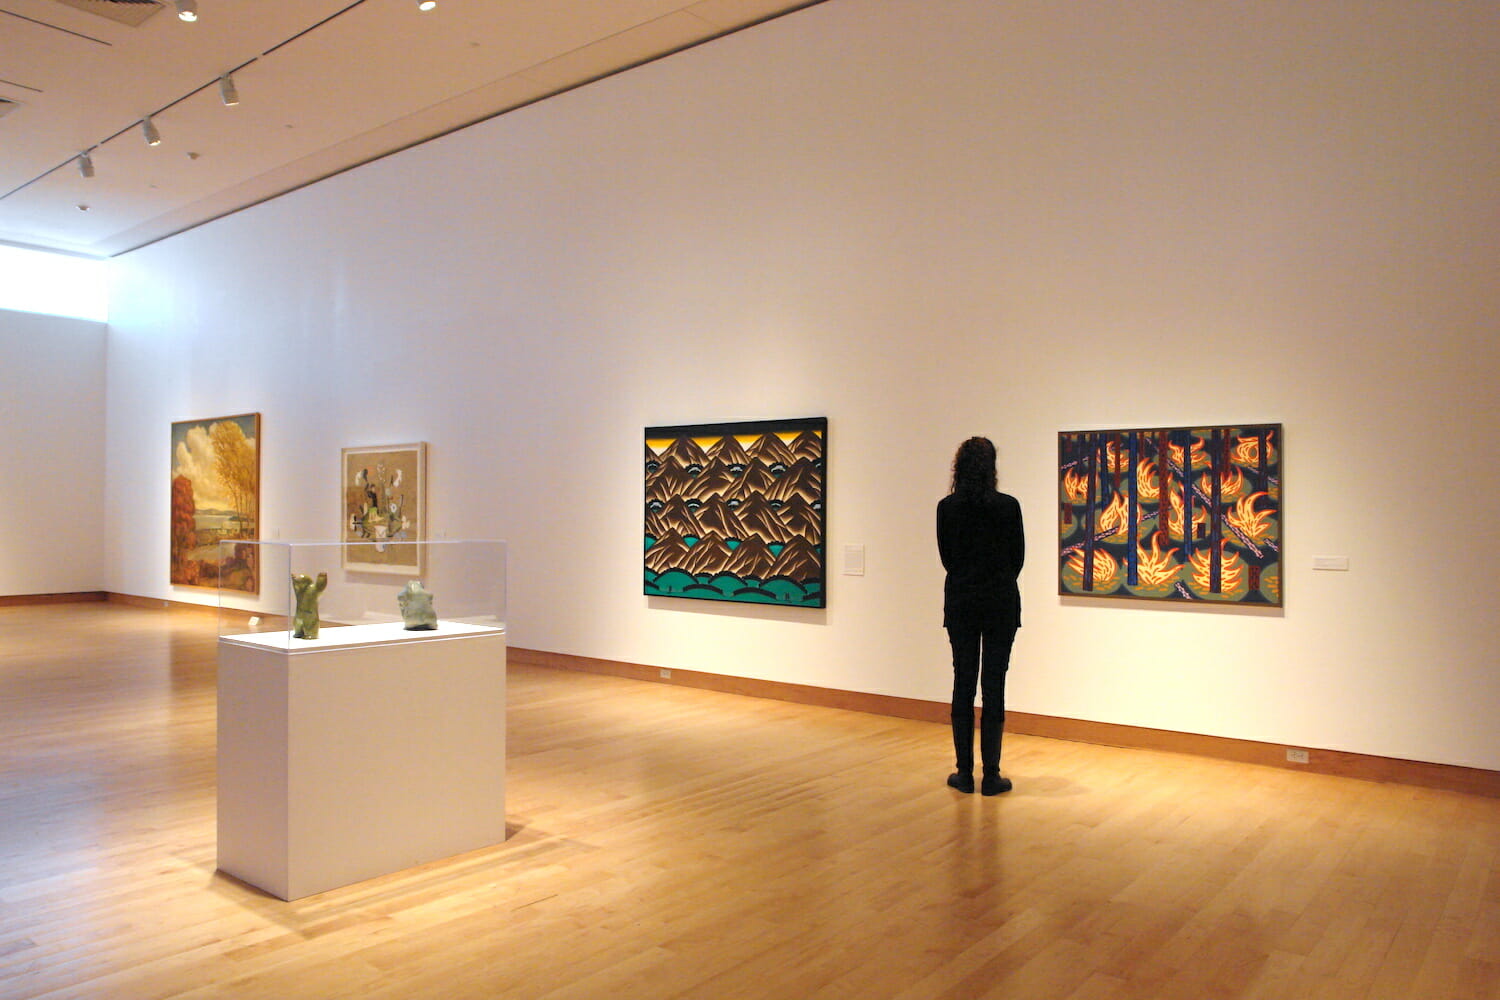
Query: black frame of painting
{"type": "Point", "coordinates": [1224, 485]}
{"type": "Point", "coordinates": [745, 522]}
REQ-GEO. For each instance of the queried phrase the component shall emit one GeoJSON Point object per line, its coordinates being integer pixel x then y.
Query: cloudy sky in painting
{"type": "Point", "coordinates": [193, 456]}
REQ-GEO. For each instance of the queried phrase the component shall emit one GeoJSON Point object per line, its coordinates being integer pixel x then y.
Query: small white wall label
{"type": "Point", "coordinates": [854, 560]}
{"type": "Point", "coordinates": [1337, 563]}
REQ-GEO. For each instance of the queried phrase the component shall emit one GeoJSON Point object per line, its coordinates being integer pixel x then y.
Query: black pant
{"type": "Point", "coordinates": [980, 659]}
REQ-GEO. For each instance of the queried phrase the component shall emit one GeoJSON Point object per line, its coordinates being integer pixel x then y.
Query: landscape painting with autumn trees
{"type": "Point", "coordinates": [215, 498]}
{"type": "Point", "coordinates": [735, 512]}
{"type": "Point", "coordinates": [1177, 514]}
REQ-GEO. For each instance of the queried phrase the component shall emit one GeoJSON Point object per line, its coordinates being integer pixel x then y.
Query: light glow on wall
{"type": "Point", "coordinates": [55, 284]}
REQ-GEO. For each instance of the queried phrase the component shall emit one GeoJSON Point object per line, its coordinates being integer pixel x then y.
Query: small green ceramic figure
{"type": "Point", "coordinates": [305, 621]}
{"type": "Point", "coordinates": [416, 607]}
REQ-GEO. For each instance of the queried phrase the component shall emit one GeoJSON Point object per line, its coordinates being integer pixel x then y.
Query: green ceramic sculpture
{"type": "Point", "coordinates": [416, 607]}
{"type": "Point", "coordinates": [305, 621]}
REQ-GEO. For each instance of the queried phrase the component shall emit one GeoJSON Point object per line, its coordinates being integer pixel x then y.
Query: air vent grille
{"type": "Point", "coordinates": [131, 12]}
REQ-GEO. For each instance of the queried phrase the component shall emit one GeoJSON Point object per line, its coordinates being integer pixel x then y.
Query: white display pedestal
{"type": "Point", "coordinates": [363, 752]}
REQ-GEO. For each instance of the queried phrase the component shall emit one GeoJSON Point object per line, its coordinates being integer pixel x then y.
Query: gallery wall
{"type": "Point", "coordinates": [923, 221]}
{"type": "Point", "coordinates": [51, 454]}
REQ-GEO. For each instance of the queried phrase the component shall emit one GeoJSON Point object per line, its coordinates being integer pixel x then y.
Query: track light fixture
{"type": "Point", "coordinates": [148, 129]}
{"type": "Point", "coordinates": [227, 93]}
{"type": "Point", "coordinates": [187, 10]}
{"type": "Point", "coordinates": [85, 165]}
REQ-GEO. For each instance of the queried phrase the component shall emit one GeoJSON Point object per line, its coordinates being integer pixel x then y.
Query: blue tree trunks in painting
{"type": "Point", "coordinates": [735, 512]}
{"type": "Point", "coordinates": [1178, 514]}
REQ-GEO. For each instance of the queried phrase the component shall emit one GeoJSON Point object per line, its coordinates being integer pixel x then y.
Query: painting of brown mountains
{"type": "Point", "coordinates": [736, 511]}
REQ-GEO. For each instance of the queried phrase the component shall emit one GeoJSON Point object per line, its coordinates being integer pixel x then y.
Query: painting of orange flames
{"type": "Point", "coordinates": [1176, 514]}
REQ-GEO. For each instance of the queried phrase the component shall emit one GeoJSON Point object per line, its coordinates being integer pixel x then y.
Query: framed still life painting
{"type": "Point", "coordinates": [1172, 514]}
{"type": "Point", "coordinates": [384, 493]}
{"type": "Point", "coordinates": [215, 498]}
{"type": "Point", "coordinates": [736, 511]}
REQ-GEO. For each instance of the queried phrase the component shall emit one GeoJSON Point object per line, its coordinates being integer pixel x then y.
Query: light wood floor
{"type": "Point", "coordinates": [669, 842]}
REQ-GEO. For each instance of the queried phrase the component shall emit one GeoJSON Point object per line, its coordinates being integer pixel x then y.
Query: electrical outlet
{"type": "Point", "coordinates": [666, 674]}
{"type": "Point", "coordinates": [1296, 756]}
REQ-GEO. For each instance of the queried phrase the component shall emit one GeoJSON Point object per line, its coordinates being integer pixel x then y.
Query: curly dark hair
{"type": "Point", "coordinates": [974, 466]}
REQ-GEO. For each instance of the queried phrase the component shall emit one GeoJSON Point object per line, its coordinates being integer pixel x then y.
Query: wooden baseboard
{"type": "Point", "coordinates": [1448, 777]}
{"type": "Point", "coordinates": [17, 600]}
{"type": "Point", "coordinates": [801, 694]}
{"type": "Point", "coordinates": [160, 604]}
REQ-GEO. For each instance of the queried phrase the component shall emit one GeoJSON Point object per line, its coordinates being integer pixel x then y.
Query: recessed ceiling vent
{"type": "Point", "coordinates": [131, 12]}
{"type": "Point", "coordinates": [6, 107]}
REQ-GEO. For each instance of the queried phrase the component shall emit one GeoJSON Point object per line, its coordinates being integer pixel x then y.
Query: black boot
{"type": "Point", "coordinates": [993, 784]}
{"type": "Point", "coordinates": [991, 727]}
{"type": "Point", "coordinates": [963, 752]}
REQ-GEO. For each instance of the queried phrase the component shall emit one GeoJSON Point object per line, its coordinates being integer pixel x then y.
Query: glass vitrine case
{"type": "Point", "coordinates": [306, 595]}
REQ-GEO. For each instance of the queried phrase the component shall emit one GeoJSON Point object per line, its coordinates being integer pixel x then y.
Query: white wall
{"type": "Point", "coordinates": [51, 454]}
{"type": "Point", "coordinates": [924, 221]}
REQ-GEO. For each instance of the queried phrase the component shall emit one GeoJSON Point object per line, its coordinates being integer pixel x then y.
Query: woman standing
{"type": "Point", "coordinates": [982, 547]}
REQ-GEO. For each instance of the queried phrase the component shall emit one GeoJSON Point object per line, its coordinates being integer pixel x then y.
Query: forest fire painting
{"type": "Point", "coordinates": [735, 512]}
{"type": "Point", "coordinates": [215, 498]}
{"type": "Point", "coordinates": [1179, 514]}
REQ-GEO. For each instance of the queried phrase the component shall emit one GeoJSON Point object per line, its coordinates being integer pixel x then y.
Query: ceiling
{"type": "Point", "coordinates": [323, 85]}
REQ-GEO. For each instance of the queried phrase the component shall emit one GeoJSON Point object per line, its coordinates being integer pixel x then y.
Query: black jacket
{"type": "Point", "coordinates": [982, 547]}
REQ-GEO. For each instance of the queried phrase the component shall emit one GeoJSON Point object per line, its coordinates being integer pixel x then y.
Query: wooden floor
{"type": "Point", "coordinates": [669, 842]}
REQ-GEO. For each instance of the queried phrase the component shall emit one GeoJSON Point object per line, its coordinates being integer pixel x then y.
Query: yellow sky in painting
{"type": "Point", "coordinates": [657, 444]}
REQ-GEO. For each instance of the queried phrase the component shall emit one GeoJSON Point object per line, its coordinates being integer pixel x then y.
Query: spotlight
{"type": "Point", "coordinates": [148, 129]}
{"type": "Point", "coordinates": [427, 4]}
{"type": "Point", "coordinates": [227, 93]}
{"type": "Point", "coordinates": [187, 10]}
{"type": "Point", "coordinates": [85, 165]}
